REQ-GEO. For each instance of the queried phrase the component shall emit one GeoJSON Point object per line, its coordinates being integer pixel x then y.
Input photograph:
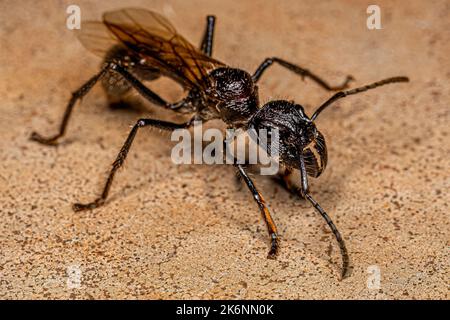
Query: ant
{"type": "Point", "coordinates": [140, 45]}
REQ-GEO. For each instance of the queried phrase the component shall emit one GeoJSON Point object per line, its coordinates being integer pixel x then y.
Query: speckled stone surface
{"type": "Point", "coordinates": [189, 231]}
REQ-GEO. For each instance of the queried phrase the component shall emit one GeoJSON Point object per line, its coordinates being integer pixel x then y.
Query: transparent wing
{"type": "Point", "coordinates": [154, 39]}
{"type": "Point", "coordinates": [96, 37]}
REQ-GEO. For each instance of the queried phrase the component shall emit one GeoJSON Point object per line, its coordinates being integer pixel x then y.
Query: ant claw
{"type": "Point", "coordinates": [89, 206]}
{"type": "Point", "coordinates": [42, 140]}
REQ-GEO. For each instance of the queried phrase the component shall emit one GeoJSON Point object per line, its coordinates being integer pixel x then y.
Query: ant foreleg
{"type": "Point", "coordinates": [300, 71]}
{"type": "Point", "coordinates": [208, 37]}
{"type": "Point", "coordinates": [77, 95]}
{"type": "Point", "coordinates": [123, 154]}
{"type": "Point", "coordinates": [271, 227]}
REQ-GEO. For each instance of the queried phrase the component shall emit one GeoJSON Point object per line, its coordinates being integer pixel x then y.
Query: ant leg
{"type": "Point", "coordinates": [272, 228]}
{"type": "Point", "coordinates": [80, 93]}
{"type": "Point", "coordinates": [342, 94]}
{"type": "Point", "coordinates": [149, 94]}
{"type": "Point", "coordinates": [300, 71]}
{"type": "Point", "coordinates": [304, 191]}
{"type": "Point", "coordinates": [120, 159]}
{"type": "Point", "coordinates": [207, 42]}
{"type": "Point", "coordinates": [77, 95]}
{"type": "Point", "coordinates": [141, 88]}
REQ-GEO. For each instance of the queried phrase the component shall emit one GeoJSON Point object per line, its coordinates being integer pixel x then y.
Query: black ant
{"type": "Point", "coordinates": [141, 45]}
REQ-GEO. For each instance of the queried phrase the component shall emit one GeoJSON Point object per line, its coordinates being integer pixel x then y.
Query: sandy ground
{"type": "Point", "coordinates": [189, 231]}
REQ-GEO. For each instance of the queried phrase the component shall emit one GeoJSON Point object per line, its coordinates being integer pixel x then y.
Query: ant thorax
{"type": "Point", "coordinates": [234, 95]}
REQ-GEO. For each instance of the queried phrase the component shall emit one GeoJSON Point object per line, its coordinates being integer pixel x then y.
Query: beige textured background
{"type": "Point", "coordinates": [188, 231]}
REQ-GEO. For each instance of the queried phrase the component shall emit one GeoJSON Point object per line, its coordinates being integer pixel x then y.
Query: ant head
{"type": "Point", "coordinates": [297, 134]}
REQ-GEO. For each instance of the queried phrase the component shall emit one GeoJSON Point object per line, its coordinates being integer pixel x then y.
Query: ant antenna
{"type": "Point", "coordinates": [342, 94]}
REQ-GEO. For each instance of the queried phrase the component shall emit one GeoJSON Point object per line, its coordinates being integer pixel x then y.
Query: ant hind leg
{"type": "Point", "coordinates": [122, 155]}
{"type": "Point", "coordinates": [77, 95]}
{"type": "Point", "coordinates": [208, 37]}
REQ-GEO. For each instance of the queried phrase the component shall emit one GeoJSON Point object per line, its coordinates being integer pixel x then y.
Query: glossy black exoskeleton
{"type": "Point", "coordinates": [139, 45]}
